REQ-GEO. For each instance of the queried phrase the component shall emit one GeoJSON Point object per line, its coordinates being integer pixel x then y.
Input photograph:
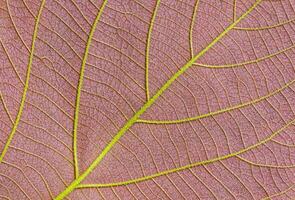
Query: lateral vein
{"type": "Point", "coordinates": [192, 28]}
{"type": "Point", "coordinates": [80, 84]}
{"type": "Point", "coordinates": [204, 162]}
{"type": "Point", "coordinates": [177, 121]}
{"type": "Point", "coordinates": [148, 45]}
{"type": "Point", "coordinates": [26, 86]}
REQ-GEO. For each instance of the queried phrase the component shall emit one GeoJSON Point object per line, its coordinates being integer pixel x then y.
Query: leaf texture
{"type": "Point", "coordinates": [162, 99]}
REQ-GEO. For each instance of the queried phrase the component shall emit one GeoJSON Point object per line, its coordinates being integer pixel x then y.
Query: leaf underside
{"type": "Point", "coordinates": [162, 99]}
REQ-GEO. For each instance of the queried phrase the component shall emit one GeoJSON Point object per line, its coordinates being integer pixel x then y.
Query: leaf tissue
{"type": "Point", "coordinates": [147, 99]}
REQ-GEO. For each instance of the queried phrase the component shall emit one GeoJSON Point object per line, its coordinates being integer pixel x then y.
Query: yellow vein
{"type": "Point", "coordinates": [26, 86]}
{"type": "Point", "coordinates": [148, 45]}
{"type": "Point", "coordinates": [133, 119]}
{"type": "Point", "coordinates": [244, 63]}
{"type": "Point", "coordinates": [265, 165]}
{"type": "Point", "coordinates": [204, 162]}
{"type": "Point", "coordinates": [284, 144]}
{"type": "Point", "coordinates": [265, 27]}
{"type": "Point", "coordinates": [218, 111]}
{"type": "Point", "coordinates": [192, 28]}
{"type": "Point", "coordinates": [80, 84]}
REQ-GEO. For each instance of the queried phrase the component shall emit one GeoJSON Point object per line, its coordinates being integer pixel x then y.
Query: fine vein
{"type": "Point", "coordinates": [26, 86]}
{"type": "Point", "coordinates": [5, 107]}
{"type": "Point", "coordinates": [150, 102]}
{"type": "Point", "coordinates": [235, 10]}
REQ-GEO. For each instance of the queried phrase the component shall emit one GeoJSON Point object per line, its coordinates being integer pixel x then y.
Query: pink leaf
{"type": "Point", "coordinates": [138, 99]}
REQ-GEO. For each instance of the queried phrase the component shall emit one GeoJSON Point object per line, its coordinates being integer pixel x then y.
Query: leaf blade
{"type": "Point", "coordinates": [134, 119]}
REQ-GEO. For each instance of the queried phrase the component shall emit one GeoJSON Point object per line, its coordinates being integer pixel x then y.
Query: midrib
{"type": "Point", "coordinates": [149, 103]}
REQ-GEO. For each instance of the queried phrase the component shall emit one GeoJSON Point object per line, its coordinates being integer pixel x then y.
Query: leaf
{"type": "Point", "coordinates": [140, 99]}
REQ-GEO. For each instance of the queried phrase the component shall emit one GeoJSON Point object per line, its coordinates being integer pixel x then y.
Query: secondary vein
{"type": "Point", "coordinates": [192, 28]}
{"type": "Point", "coordinates": [148, 45]}
{"type": "Point", "coordinates": [204, 162]}
{"type": "Point", "coordinates": [26, 86]}
{"type": "Point", "coordinates": [248, 103]}
{"type": "Point", "coordinates": [80, 84]}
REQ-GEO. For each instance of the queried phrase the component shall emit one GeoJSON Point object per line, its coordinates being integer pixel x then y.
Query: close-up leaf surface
{"type": "Point", "coordinates": [147, 99]}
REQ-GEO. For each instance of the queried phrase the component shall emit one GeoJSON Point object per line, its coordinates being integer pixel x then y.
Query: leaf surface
{"type": "Point", "coordinates": [142, 99]}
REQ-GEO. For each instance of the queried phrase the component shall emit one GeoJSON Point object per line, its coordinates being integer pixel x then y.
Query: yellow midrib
{"type": "Point", "coordinates": [26, 86]}
{"type": "Point", "coordinates": [133, 119]}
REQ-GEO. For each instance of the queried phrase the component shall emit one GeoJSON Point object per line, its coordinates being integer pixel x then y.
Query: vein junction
{"type": "Point", "coordinates": [150, 102]}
